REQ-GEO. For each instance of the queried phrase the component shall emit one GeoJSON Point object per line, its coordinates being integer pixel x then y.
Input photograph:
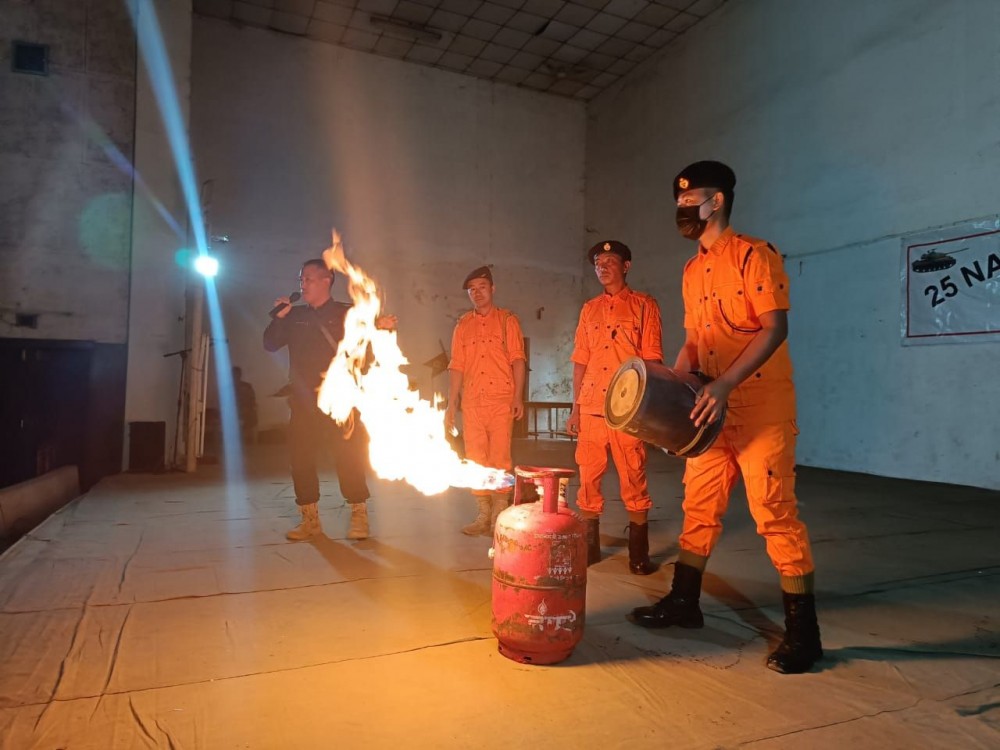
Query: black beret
{"type": "Point", "coordinates": [705, 174]}
{"type": "Point", "coordinates": [483, 272]}
{"type": "Point", "coordinates": [609, 246]}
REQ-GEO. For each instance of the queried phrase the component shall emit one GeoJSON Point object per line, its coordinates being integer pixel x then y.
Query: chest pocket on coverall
{"type": "Point", "coordinates": [730, 302]}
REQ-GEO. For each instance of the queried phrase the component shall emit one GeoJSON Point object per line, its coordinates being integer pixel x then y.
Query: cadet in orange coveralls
{"type": "Point", "coordinates": [487, 373]}
{"type": "Point", "coordinates": [735, 318]}
{"type": "Point", "coordinates": [614, 326]}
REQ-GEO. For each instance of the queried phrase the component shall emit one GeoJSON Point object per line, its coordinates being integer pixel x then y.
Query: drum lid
{"type": "Point", "coordinates": [625, 393]}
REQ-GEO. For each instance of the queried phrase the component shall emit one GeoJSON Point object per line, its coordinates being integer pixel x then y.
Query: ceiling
{"type": "Point", "coordinates": [570, 48]}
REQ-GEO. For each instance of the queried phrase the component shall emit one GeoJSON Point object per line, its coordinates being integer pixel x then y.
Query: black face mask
{"type": "Point", "coordinates": [689, 223]}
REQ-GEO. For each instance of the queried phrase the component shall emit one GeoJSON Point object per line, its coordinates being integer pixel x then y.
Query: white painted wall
{"type": "Point", "coordinates": [848, 124]}
{"type": "Point", "coordinates": [156, 305]}
{"type": "Point", "coordinates": [428, 174]}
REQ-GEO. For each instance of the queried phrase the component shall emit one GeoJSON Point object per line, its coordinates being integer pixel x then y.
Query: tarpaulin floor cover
{"type": "Point", "coordinates": [169, 611]}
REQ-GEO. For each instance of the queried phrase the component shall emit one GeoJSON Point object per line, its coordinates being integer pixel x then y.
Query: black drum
{"type": "Point", "coordinates": [653, 403]}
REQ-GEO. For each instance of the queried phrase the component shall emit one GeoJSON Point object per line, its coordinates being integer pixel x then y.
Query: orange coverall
{"type": "Point", "coordinates": [484, 349]}
{"type": "Point", "coordinates": [726, 288]}
{"type": "Point", "coordinates": [612, 328]}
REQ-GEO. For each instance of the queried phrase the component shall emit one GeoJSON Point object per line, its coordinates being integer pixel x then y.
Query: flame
{"type": "Point", "coordinates": [407, 433]}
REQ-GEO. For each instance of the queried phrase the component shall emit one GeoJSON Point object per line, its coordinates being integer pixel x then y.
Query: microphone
{"type": "Point", "coordinates": [293, 297]}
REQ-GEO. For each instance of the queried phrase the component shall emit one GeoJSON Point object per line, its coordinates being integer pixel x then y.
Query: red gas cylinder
{"type": "Point", "coordinates": [539, 571]}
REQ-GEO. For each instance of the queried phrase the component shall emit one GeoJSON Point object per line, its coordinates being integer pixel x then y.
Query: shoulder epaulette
{"type": "Point", "coordinates": [753, 244]}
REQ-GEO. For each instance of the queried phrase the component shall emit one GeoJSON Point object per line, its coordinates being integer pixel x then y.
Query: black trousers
{"type": "Point", "coordinates": [311, 431]}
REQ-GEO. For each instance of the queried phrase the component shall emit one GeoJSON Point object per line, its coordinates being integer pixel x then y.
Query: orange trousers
{"type": "Point", "coordinates": [629, 455]}
{"type": "Point", "coordinates": [487, 429]}
{"type": "Point", "coordinates": [765, 456]}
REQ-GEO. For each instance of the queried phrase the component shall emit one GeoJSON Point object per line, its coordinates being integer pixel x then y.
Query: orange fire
{"type": "Point", "coordinates": [407, 432]}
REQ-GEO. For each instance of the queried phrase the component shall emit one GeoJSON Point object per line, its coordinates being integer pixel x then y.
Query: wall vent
{"type": "Point", "coordinates": [30, 58]}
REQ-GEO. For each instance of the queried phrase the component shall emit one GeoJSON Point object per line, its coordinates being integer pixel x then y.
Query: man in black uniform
{"type": "Point", "coordinates": [312, 333]}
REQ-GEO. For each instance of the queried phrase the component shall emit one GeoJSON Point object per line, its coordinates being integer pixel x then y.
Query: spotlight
{"type": "Point", "coordinates": [206, 265]}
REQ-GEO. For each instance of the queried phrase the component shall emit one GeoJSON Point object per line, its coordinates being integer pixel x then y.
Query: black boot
{"type": "Point", "coordinates": [679, 607]}
{"type": "Point", "coordinates": [638, 549]}
{"type": "Point", "coordinates": [801, 647]}
{"type": "Point", "coordinates": [593, 527]}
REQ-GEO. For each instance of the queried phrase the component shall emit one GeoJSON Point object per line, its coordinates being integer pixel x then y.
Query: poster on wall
{"type": "Point", "coordinates": [951, 284]}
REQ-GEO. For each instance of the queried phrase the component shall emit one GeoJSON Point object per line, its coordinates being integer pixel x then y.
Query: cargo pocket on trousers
{"type": "Point", "coordinates": [635, 456]}
{"type": "Point", "coordinates": [778, 468]}
{"type": "Point", "coordinates": [585, 451]}
{"type": "Point", "coordinates": [779, 483]}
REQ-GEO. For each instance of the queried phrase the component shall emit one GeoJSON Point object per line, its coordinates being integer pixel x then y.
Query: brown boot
{"type": "Point", "coordinates": [481, 526]}
{"type": "Point", "coordinates": [500, 502]}
{"type": "Point", "coordinates": [310, 525]}
{"type": "Point", "coordinates": [359, 521]}
{"type": "Point", "coordinates": [638, 549]}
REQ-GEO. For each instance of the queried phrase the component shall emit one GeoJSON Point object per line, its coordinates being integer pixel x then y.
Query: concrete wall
{"type": "Point", "coordinates": [65, 205]}
{"type": "Point", "coordinates": [848, 124]}
{"type": "Point", "coordinates": [428, 174]}
{"type": "Point", "coordinates": [80, 245]}
{"type": "Point", "coordinates": [66, 146]}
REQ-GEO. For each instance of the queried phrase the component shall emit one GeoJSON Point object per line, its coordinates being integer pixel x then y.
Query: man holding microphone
{"type": "Point", "coordinates": [312, 332]}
